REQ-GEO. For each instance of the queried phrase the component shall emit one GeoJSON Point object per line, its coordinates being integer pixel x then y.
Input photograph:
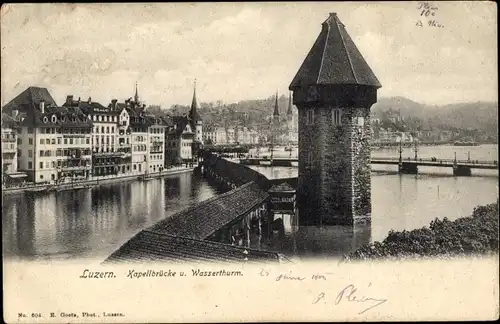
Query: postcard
{"type": "Point", "coordinates": [249, 162]}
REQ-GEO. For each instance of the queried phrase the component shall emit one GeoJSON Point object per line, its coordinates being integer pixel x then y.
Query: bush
{"type": "Point", "coordinates": [476, 234]}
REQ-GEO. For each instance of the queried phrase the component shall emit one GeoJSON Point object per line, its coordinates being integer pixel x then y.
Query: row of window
{"type": "Point", "coordinates": [156, 148]}
{"type": "Point", "coordinates": [103, 141]}
{"type": "Point", "coordinates": [8, 136]}
{"type": "Point", "coordinates": [139, 129]}
{"type": "Point", "coordinates": [104, 130]}
{"type": "Point", "coordinates": [156, 130]}
{"type": "Point", "coordinates": [156, 157]}
{"type": "Point", "coordinates": [64, 164]}
{"type": "Point", "coordinates": [58, 130]}
{"type": "Point", "coordinates": [107, 119]}
{"type": "Point", "coordinates": [140, 148]}
{"type": "Point", "coordinates": [156, 139]}
{"type": "Point", "coordinates": [139, 138]}
{"type": "Point", "coordinates": [48, 153]}
{"type": "Point", "coordinates": [336, 118]}
{"type": "Point", "coordinates": [70, 141]}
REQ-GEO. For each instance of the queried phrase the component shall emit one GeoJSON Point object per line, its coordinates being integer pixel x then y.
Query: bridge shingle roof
{"type": "Point", "coordinates": [203, 219]}
{"type": "Point", "coordinates": [150, 246]}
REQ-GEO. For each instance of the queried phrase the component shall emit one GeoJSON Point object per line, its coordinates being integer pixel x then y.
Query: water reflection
{"type": "Point", "coordinates": [92, 223]}
{"type": "Point", "coordinates": [328, 242]}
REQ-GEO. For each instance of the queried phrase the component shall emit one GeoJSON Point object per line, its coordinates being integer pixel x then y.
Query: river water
{"type": "Point", "coordinates": [92, 223]}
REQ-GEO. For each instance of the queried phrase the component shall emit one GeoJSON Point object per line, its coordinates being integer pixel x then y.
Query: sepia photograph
{"type": "Point", "coordinates": [178, 151]}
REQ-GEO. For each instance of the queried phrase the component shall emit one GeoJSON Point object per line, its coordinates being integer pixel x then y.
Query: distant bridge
{"type": "Point", "coordinates": [410, 166]}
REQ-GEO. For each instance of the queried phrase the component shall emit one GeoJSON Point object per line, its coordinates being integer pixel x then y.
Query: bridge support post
{"type": "Point", "coordinates": [461, 170]}
{"type": "Point", "coordinates": [408, 168]}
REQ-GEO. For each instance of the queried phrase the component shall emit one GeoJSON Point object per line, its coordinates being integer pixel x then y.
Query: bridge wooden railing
{"type": "Point", "coordinates": [436, 160]}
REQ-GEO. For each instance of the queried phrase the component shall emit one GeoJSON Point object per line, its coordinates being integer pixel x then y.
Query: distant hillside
{"type": "Point", "coordinates": [482, 115]}
{"type": "Point", "coordinates": [407, 107]}
{"type": "Point", "coordinates": [473, 115]}
{"type": "Point", "coordinates": [478, 115]}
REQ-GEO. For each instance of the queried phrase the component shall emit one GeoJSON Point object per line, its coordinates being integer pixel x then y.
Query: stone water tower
{"type": "Point", "coordinates": [333, 91]}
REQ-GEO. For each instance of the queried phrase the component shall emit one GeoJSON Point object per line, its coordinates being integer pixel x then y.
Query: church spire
{"type": "Point", "coordinates": [276, 110]}
{"type": "Point", "coordinates": [193, 113]}
{"type": "Point", "coordinates": [289, 112]}
{"type": "Point", "coordinates": [136, 97]}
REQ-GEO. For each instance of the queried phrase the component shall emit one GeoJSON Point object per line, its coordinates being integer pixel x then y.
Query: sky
{"type": "Point", "coordinates": [240, 51]}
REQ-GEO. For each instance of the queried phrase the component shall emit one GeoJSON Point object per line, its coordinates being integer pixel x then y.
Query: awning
{"type": "Point", "coordinates": [17, 175]}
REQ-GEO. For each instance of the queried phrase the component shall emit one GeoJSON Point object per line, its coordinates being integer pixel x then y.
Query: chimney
{"type": "Point", "coordinates": [42, 106]}
{"type": "Point", "coordinates": [113, 103]}
{"type": "Point", "coordinates": [69, 100]}
{"type": "Point", "coordinates": [90, 100]}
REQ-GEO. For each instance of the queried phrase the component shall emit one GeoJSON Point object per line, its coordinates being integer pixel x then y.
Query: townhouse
{"type": "Point", "coordinates": [54, 141]}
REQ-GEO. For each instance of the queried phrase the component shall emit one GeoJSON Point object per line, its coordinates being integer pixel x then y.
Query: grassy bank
{"type": "Point", "coordinates": [473, 235]}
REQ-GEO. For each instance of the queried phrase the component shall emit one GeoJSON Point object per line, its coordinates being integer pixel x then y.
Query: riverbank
{"type": "Point", "coordinates": [467, 236]}
{"type": "Point", "coordinates": [94, 182]}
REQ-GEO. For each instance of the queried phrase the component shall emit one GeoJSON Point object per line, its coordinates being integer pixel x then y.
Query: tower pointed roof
{"type": "Point", "coordinates": [136, 96]}
{"type": "Point", "coordinates": [334, 59]}
{"type": "Point", "coordinates": [193, 113]}
{"type": "Point", "coordinates": [289, 112]}
{"type": "Point", "coordinates": [276, 108]}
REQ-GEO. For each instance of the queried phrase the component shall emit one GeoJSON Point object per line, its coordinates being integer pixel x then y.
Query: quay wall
{"type": "Point", "coordinates": [94, 182]}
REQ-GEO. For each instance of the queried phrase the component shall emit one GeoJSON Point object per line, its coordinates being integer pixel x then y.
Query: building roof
{"type": "Point", "coordinates": [65, 117]}
{"type": "Point", "coordinates": [334, 59]}
{"type": "Point", "coordinates": [150, 246]}
{"type": "Point", "coordinates": [29, 99]}
{"type": "Point", "coordinates": [8, 121]}
{"type": "Point", "coordinates": [203, 219]}
{"type": "Point", "coordinates": [167, 120]}
{"type": "Point", "coordinates": [91, 107]}
{"type": "Point", "coordinates": [181, 122]}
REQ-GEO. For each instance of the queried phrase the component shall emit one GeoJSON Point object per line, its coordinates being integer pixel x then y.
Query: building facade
{"type": "Point", "coordinates": [180, 141]}
{"type": "Point", "coordinates": [157, 138]}
{"type": "Point", "coordinates": [9, 144]}
{"type": "Point", "coordinates": [104, 140]}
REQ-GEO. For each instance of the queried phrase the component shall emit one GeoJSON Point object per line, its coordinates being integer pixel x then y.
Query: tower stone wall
{"type": "Point", "coordinates": [334, 165]}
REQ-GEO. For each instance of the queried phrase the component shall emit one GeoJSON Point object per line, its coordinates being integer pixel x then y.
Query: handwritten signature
{"type": "Point", "coordinates": [349, 294]}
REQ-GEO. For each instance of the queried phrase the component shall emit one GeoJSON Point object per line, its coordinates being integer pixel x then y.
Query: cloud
{"type": "Point", "coordinates": [238, 51]}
